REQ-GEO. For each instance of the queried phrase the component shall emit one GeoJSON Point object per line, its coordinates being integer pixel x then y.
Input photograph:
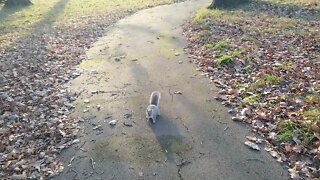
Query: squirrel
{"type": "Point", "coordinates": [153, 110]}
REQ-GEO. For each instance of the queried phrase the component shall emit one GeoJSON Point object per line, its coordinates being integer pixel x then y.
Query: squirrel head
{"type": "Point", "coordinates": [151, 116]}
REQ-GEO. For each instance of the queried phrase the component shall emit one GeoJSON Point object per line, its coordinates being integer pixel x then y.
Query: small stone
{"type": "Point", "coordinates": [75, 141]}
{"type": "Point", "coordinates": [98, 107]}
{"type": "Point", "coordinates": [17, 169]}
{"type": "Point", "coordinates": [283, 104]}
{"type": "Point", "coordinates": [254, 139]}
{"type": "Point", "coordinates": [140, 174]}
{"type": "Point", "coordinates": [252, 145]}
{"type": "Point", "coordinates": [86, 101]}
{"type": "Point", "coordinates": [177, 92]}
{"type": "Point", "coordinates": [94, 92]}
{"type": "Point", "coordinates": [127, 116]}
{"type": "Point", "coordinates": [237, 118]}
{"type": "Point", "coordinates": [180, 62]}
{"type": "Point", "coordinates": [113, 122]}
{"type": "Point", "coordinates": [128, 123]}
{"type": "Point", "coordinates": [245, 112]}
{"type": "Point", "coordinates": [260, 54]}
{"type": "Point", "coordinates": [177, 54]}
{"type": "Point", "coordinates": [42, 154]}
{"type": "Point", "coordinates": [98, 127]}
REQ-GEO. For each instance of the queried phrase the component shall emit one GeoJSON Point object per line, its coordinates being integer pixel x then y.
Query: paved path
{"type": "Point", "coordinates": [194, 139]}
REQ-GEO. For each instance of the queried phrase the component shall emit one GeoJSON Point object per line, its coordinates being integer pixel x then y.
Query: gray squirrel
{"type": "Point", "coordinates": [153, 110]}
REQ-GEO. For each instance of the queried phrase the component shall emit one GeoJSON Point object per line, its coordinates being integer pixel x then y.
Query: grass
{"type": "Point", "coordinates": [272, 79]}
{"type": "Point", "coordinates": [221, 45]}
{"type": "Point", "coordinates": [312, 115]}
{"type": "Point", "coordinates": [268, 79]}
{"type": "Point", "coordinates": [247, 70]}
{"type": "Point", "coordinates": [295, 2]}
{"type": "Point", "coordinates": [16, 22]}
{"type": "Point", "coordinates": [225, 59]}
{"type": "Point", "coordinates": [72, 9]}
{"type": "Point", "coordinates": [313, 99]}
{"type": "Point", "coordinates": [288, 128]}
{"type": "Point", "coordinates": [286, 133]}
{"type": "Point", "coordinates": [274, 35]}
{"type": "Point", "coordinates": [286, 65]}
{"type": "Point", "coordinates": [251, 100]}
{"type": "Point", "coordinates": [208, 45]}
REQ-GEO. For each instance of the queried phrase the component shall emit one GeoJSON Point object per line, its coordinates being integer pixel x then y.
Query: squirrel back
{"type": "Point", "coordinates": [155, 98]}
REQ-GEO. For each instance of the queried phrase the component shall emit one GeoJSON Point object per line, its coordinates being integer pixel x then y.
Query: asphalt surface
{"type": "Point", "coordinates": [194, 138]}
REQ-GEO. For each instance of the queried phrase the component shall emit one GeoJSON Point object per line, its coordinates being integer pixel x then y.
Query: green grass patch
{"type": "Point", "coordinates": [312, 115]}
{"type": "Point", "coordinates": [222, 45]}
{"type": "Point", "coordinates": [286, 65]}
{"type": "Point", "coordinates": [251, 100]}
{"type": "Point", "coordinates": [67, 9]}
{"type": "Point", "coordinates": [272, 79]}
{"type": "Point", "coordinates": [208, 45]}
{"type": "Point", "coordinates": [286, 133]}
{"type": "Point", "coordinates": [287, 129]}
{"type": "Point", "coordinates": [202, 14]}
{"type": "Point", "coordinates": [313, 99]}
{"type": "Point", "coordinates": [256, 85]}
{"type": "Point", "coordinates": [228, 58]}
{"type": "Point", "coordinates": [246, 70]}
{"type": "Point", "coordinates": [225, 59]}
{"type": "Point", "coordinates": [268, 79]}
{"type": "Point", "coordinates": [19, 21]}
{"type": "Point", "coordinates": [205, 13]}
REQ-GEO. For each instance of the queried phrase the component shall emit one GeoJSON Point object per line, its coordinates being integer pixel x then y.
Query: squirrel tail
{"type": "Point", "coordinates": [155, 98]}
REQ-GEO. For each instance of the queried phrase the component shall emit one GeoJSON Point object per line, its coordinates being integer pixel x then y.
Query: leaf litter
{"type": "Point", "coordinates": [35, 125]}
{"type": "Point", "coordinates": [266, 59]}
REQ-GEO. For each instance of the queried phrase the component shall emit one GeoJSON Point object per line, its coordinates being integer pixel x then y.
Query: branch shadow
{"type": "Point", "coordinates": [32, 44]}
{"type": "Point", "coordinates": [5, 12]}
{"type": "Point", "coordinates": [51, 16]}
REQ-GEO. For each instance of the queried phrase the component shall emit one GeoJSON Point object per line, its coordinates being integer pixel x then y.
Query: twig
{"type": "Point", "coordinates": [181, 165]}
{"type": "Point", "coordinates": [222, 122]}
{"type": "Point", "coordinates": [92, 163]}
{"type": "Point", "coordinates": [71, 160]}
{"type": "Point", "coordinates": [82, 145]}
{"type": "Point", "coordinates": [83, 150]}
{"type": "Point", "coordinates": [76, 173]}
{"type": "Point", "coordinates": [114, 176]}
{"type": "Point", "coordinates": [100, 173]}
{"type": "Point", "coordinates": [86, 177]}
{"type": "Point", "coordinates": [254, 159]}
{"type": "Point", "coordinates": [171, 95]}
{"type": "Point", "coordinates": [226, 128]}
